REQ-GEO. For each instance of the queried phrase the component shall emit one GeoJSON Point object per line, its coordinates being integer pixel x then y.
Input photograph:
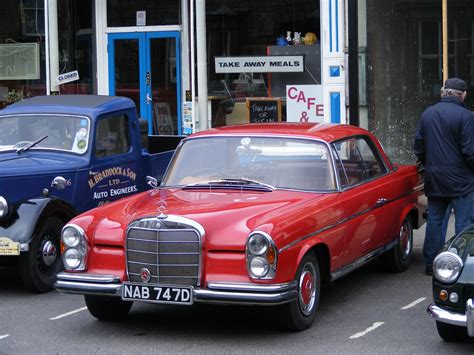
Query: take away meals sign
{"type": "Point", "coordinates": [263, 64]}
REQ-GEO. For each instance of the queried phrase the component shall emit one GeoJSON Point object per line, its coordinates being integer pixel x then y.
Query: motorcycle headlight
{"type": "Point", "coordinates": [74, 248]}
{"type": "Point", "coordinates": [4, 209]}
{"type": "Point", "coordinates": [261, 254]}
{"type": "Point", "coordinates": [447, 267]}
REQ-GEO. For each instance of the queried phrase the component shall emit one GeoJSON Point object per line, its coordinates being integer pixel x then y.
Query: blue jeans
{"type": "Point", "coordinates": [435, 228]}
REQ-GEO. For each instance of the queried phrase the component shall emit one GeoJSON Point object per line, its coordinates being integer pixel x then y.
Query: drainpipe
{"type": "Point", "coordinates": [445, 39]}
{"type": "Point", "coordinates": [201, 62]}
{"type": "Point", "coordinates": [53, 45]}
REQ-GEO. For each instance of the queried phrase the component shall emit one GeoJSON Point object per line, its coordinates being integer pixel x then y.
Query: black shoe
{"type": "Point", "coordinates": [428, 271]}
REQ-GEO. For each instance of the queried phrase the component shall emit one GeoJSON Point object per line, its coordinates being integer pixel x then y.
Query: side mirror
{"type": "Point", "coordinates": [151, 181]}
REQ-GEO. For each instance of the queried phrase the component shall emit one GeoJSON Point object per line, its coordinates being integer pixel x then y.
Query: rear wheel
{"type": "Point", "coordinates": [451, 332]}
{"type": "Point", "coordinates": [107, 308]}
{"type": "Point", "coordinates": [40, 265]}
{"type": "Point", "coordinates": [299, 315]}
{"type": "Point", "coordinates": [398, 259]}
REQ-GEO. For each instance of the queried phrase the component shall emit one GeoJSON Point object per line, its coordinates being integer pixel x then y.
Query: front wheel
{"type": "Point", "coordinates": [451, 333]}
{"type": "Point", "coordinates": [107, 308]}
{"type": "Point", "coordinates": [399, 258]}
{"type": "Point", "coordinates": [40, 265]}
{"type": "Point", "coordinates": [299, 314]}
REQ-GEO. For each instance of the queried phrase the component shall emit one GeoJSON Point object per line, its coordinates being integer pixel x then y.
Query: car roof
{"type": "Point", "coordinates": [76, 104]}
{"type": "Point", "coordinates": [324, 131]}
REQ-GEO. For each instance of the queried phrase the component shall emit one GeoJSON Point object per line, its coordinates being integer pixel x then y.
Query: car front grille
{"type": "Point", "coordinates": [169, 249]}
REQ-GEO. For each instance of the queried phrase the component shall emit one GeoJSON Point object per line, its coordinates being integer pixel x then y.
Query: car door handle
{"type": "Point", "coordinates": [92, 173]}
{"type": "Point", "coordinates": [381, 201]}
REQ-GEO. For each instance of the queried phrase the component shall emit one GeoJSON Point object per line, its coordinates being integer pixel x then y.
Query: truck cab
{"type": "Point", "coordinates": [60, 156]}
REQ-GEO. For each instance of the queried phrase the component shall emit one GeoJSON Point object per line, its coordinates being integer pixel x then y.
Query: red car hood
{"type": "Point", "coordinates": [227, 216]}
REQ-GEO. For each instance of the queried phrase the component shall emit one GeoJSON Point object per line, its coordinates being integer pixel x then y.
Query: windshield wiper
{"type": "Point", "coordinates": [32, 144]}
{"type": "Point", "coordinates": [243, 183]}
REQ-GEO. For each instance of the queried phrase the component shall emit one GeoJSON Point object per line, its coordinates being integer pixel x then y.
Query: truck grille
{"type": "Point", "coordinates": [170, 250]}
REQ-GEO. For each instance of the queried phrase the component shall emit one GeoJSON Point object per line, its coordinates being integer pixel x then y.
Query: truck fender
{"type": "Point", "coordinates": [21, 226]}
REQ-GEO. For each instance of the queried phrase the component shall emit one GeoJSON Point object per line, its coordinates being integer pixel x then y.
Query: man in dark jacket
{"type": "Point", "coordinates": [444, 144]}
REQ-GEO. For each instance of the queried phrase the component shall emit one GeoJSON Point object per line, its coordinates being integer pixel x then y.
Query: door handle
{"type": "Point", "coordinates": [149, 99]}
{"type": "Point", "coordinates": [93, 173]}
{"type": "Point", "coordinates": [381, 201]}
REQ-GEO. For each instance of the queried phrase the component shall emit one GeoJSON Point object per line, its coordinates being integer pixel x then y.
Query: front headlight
{"type": "Point", "coordinates": [74, 248]}
{"type": "Point", "coordinates": [261, 254]}
{"type": "Point", "coordinates": [3, 207]}
{"type": "Point", "coordinates": [447, 267]}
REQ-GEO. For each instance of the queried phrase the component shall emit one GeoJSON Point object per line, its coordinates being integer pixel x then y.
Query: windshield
{"type": "Point", "coordinates": [67, 133]}
{"type": "Point", "coordinates": [285, 163]}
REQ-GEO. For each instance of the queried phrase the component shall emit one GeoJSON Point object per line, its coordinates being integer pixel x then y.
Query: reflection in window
{"type": "Point", "coordinates": [112, 137]}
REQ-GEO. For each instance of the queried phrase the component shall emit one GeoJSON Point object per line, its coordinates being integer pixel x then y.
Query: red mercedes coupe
{"type": "Point", "coordinates": [258, 214]}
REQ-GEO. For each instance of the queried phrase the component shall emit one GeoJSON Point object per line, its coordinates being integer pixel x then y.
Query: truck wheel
{"type": "Point", "coordinates": [107, 308]}
{"type": "Point", "coordinates": [451, 333]}
{"type": "Point", "coordinates": [40, 265]}
{"type": "Point", "coordinates": [299, 315]}
{"type": "Point", "coordinates": [398, 258]}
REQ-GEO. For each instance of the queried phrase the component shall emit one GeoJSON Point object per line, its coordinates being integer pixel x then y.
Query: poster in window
{"type": "Point", "coordinates": [163, 119]}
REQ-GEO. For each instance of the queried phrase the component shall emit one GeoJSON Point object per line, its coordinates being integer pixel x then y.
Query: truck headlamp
{"type": "Point", "coordinates": [4, 209]}
{"type": "Point", "coordinates": [74, 248]}
{"type": "Point", "coordinates": [261, 254]}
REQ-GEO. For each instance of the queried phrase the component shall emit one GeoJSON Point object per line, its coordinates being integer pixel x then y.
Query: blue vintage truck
{"type": "Point", "coordinates": [63, 155]}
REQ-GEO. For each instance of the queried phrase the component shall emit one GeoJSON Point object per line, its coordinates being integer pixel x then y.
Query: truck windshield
{"type": "Point", "coordinates": [285, 163]}
{"type": "Point", "coordinates": [66, 133]}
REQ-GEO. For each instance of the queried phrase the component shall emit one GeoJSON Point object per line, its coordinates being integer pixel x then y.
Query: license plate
{"type": "Point", "coordinates": [157, 293]}
{"type": "Point", "coordinates": [9, 247]}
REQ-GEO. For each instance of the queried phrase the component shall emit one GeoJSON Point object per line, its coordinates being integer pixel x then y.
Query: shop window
{"type": "Point", "coordinates": [259, 30]}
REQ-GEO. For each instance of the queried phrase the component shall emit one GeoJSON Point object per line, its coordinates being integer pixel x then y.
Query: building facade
{"type": "Point", "coordinates": [371, 63]}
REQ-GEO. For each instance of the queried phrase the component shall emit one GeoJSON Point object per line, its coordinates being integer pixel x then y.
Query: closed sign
{"type": "Point", "coordinates": [67, 77]}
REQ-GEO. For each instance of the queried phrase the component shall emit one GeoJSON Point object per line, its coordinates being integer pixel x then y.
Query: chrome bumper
{"type": "Point", "coordinates": [460, 319]}
{"type": "Point", "coordinates": [216, 292]}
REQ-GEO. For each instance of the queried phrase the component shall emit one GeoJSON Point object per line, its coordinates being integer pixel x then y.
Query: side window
{"type": "Point", "coordinates": [113, 136]}
{"type": "Point", "coordinates": [356, 161]}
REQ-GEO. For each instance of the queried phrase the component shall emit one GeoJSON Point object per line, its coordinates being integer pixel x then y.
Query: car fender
{"type": "Point", "coordinates": [411, 210]}
{"type": "Point", "coordinates": [21, 226]}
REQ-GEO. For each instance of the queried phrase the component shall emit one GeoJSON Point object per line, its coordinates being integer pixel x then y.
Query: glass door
{"type": "Point", "coordinates": [145, 66]}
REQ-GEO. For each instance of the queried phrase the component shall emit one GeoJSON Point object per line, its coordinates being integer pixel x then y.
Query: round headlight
{"type": "Point", "coordinates": [71, 237]}
{"type": "Point", "coordinates": [3, 207]}
{"type": "Point", "coordinates": [258, 244]}
{"type": "Point", "coordinates": [259, 267]}
{"type": "Point", "coordinates": [72, 259]}
{"type": "Point", "coordinates": [447, 267]}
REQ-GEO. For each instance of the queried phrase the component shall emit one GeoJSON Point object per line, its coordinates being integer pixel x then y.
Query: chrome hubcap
{"type": "Point", "coordinates": [49, 253]}
{"type": "Point", "coordinates": [405, 240]}
{"type": "Point", "coordinates": [307, 289]}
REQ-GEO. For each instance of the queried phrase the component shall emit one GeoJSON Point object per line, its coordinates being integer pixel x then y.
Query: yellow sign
{"type": "Point", "coordinates": [9, 247]}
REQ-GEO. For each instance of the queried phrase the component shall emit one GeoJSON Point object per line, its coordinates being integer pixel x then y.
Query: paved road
{"type": "Point", "coordinates": [369, 311]}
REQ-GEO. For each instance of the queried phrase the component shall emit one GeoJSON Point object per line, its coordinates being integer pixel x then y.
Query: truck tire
{"type": "Point", "coordinates": [107, 308]}
{"type": "Point", "coordinates": [299, 314]}
{"type": "Point", "coordinates": [40, 265]}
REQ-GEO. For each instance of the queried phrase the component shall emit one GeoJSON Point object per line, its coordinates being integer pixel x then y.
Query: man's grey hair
{"type": "Point", "coordinates": [451, 92]}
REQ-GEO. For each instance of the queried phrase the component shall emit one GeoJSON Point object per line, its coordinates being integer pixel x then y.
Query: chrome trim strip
{"type": "Point", "coordinates": [470, 317]}
{"type": "Point", "coordinates": [252, 287]}
{"type": "Point", "coordinates": [361, 261]}
{"type": "Point", "coordinates": [269, 299]}
{"type": "Point", "coordinates": [82, 288]}
{"type": "Point", "coordinates": [85, 277]}
{"type": "Point", "coordinates": [446, 316]}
